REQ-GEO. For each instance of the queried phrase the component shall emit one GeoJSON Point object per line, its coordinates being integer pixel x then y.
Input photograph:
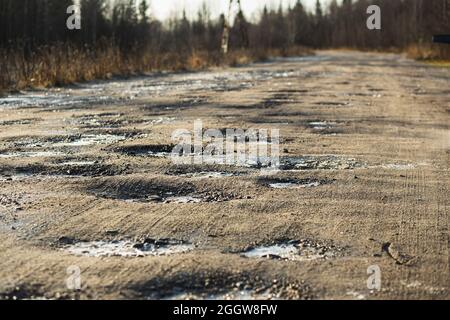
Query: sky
{"type": "Point", "coordinates": [163, 9]}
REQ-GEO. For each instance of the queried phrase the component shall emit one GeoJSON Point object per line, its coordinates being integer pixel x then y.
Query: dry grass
{"type": "Point", "coordinates": [429, 52]}
{"type": "Point", "coordinates": [62, 65]}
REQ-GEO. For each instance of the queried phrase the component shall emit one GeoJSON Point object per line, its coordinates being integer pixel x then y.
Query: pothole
{"type": "Point", "coordinates": [234, 295]}
{"type": "Point", "coordinates": [90, 139]}
{"type": "Point", "coordinates": [332, 103]}
{"type": "Point", "coordinates": [203, 172]}
{"type": "Point", "coordinates": [148, 191]}
{"type": "Point", "coordinates": [149, 247]}
{"type": "Point", "coordinates": [302, 250]}
{"type": "Point", "coordinates": [325, 127]}
{"type": "Point", "coordinates": [146, 150]}
{"type": "Point", "coordinates": [291, 183]}
{"type": "Point", "coordinates": [70, 168]}
{"type": "Point", "coordinates": [19, 122]}
{"type": "Point", "coordinates": [322, 125]}
{"type": "Point", "coordinates": [320, 163]}
{"type": "Point", "coordinates": [45, 147]}
{"type": "Point", "coordinates": [399, 166]}
{"type": "Point", "coordinates": [222, 285]}
{"type": "Point", "coordinates": [30, 154]}
{"type": "Point", "coordinates": [109, 121]}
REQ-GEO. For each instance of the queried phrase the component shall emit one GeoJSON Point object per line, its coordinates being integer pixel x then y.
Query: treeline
{"type": "Point", "coordinates": [129, 23]}
{"type": "Point", "coordinates": [122, 36]}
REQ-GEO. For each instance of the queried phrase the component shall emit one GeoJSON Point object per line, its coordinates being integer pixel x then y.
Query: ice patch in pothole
{"type": "Point", "coordinates": [92, 139]}
{"type": "Point", "coordinates": [30, 154]}
{"type": "Point", "coordinates": [163, 120]}
{"type": "Point", "coordinates": [209, 174]}
{"type": "Point", "coordinates": [356, 295]}
{"type": "Point", "coordinates": [303, 250]}
{"type": "Point", "coordinates": [327, 162]}
{"type": "Point", "coordinates": [293, 185]}
{"type": "Point", "coordinates": [77, 163]}
{"type": "Point", "coordinates": [320, 163]}
{"type": "Point", "coordinates": [228, 296]}
{"type": "Point", "coordinates": [129, 249]}
{"type": "Point", "coordinates": [322, 125]}
{"type": "Point", "coordinates": [182, 200]}
{"type": "Point", "coordinates": [399, 166]}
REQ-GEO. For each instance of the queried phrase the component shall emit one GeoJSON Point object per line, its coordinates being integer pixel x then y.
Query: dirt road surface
{"type": "Point", "coordinates": [90, 198]}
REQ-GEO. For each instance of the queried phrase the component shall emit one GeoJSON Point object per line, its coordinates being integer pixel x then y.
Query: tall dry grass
{"type": "Point", "coordinates": [429, 52]}
{"type": "Point", "coordinates": [62, 64]}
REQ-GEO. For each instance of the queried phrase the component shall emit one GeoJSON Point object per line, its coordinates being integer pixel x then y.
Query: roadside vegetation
{"type": "Point", "coordinates": [121, 37]}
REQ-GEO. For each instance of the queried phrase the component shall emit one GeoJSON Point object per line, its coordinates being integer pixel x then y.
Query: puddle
{"type": "Point", "coordinates": [129, 249]}
{"type": "Point", "coordinates": [303, 250]}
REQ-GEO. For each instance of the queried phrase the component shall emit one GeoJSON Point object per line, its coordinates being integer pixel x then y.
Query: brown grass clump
{"type": "Point", "coordinates": [429, 52]}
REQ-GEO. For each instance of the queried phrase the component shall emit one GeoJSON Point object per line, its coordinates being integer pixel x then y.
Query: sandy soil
{"type": "Point", "coordinates": [85, 183]}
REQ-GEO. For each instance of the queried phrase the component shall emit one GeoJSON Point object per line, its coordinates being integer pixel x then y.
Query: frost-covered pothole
{"type": "Point", "coordinates": [186, 199]}
{"type": "Point", "coordinates": [77, 163]}
{"type": "Point", "coordinates": [52, 99]}
{"type": "Point", "coordinates": [30, 154]}
{"type": "Point", "coordinates": [230, 295]}
{"type": "Point", "coordinates": [320, 163]}
{"type": "Point", "coordinates": [209, 174]}
{"type": "Point", "coordinates": [149, 247]}
{"type": "Point", "coordinates": [90, 139]}
{"type": "Point", "coordinates": [202, 172]}
{"type": "Point", "coordinates": [54, 146]}
{"type": "Point", "coordinates": [322, 125]}
{"type": "Point", "coordinates": [399, 166]}
{"type": "Point", "coordinates": [325, 127]}
{"type": "Point", "coordinates": [221, 285]}
{"type": "Point", "coordinates": [303, 250]}
{"type": "Point", "coordinates": [291, 183]}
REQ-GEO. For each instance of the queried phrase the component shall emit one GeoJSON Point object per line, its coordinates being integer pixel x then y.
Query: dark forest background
{"type": "Point", "coordinates": [121, 37]}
